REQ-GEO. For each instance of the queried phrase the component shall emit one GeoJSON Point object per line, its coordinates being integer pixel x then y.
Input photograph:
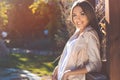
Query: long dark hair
{"type": "Point", "coordinates": [90, 13]}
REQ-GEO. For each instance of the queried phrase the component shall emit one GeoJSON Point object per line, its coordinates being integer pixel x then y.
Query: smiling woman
{"type": "Point", "coordinates": [81, 53]}
{"type": "Point", "coordinates": [79, 18]}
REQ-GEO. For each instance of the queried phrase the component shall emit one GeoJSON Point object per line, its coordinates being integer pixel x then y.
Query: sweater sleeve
{"type": "Point", "coordinates": [94, 63]}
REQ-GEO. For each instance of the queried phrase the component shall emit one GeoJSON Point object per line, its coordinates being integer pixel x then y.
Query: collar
{"type": "Point", "coordinates": [86, 29]}
{"type": "Point", "coordinates": [89, 28]}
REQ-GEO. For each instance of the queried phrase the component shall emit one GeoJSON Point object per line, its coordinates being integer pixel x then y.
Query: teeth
{"type": "Point", "coordinates": [79, 23]}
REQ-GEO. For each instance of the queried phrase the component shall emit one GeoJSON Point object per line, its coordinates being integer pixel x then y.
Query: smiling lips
{"type": "Point", "coordinates": [79, 23]}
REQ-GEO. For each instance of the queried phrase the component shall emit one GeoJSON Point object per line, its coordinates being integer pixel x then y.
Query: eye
{"type": "Point", "coordinates": [82, 13]}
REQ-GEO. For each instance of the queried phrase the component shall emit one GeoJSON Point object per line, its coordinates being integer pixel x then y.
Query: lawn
{"type": "Point", "coordinates": [35, 63]}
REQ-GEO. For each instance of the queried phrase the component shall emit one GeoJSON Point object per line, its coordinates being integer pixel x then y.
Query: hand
{"type": "Point", "coordinates": [54, 75]}
{"type": "Point", "coordinates": [66, 75]}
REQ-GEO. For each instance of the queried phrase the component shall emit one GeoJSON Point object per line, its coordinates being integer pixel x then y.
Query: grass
{"type": "Point", "coordinates": [40, 65]}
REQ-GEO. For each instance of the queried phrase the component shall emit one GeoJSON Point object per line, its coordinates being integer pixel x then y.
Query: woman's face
{"type": "Point", "coordinates": [79, 18]}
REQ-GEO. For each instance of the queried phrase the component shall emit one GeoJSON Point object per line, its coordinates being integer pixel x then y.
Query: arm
{"type": "Point", "coordinates": [55, 73]}
{"type": "Point", "coordinates": [74, 72]}
{"type": "Point", "coordinates": [94, 63]}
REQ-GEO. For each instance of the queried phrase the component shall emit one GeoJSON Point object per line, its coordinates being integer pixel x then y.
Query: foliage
{"type": "Point", "coordinates": [100, 9]}
{"type": "Point", "coordinates": [40, 65]}
{"type": "Point", "coordinates": [34, 7]}
{"type": "Point", "coordinates": [61, 37]}
{"type": "Point", "coordinates": [65, 8]}
{"type": "Point", "coordinates": [3, 14]}
{"type": "Point", "coordinates": [27, 20]}
{"type": "Point", "coordinates": [56, 25]}
{"type": "Point", "coordinates": [62, 33]}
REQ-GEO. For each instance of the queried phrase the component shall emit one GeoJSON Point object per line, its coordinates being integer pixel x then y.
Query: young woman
{"type": "Point", "coordinates": [82, 51]}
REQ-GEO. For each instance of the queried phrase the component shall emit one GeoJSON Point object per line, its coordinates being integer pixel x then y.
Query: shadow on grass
{"type": "Point", "coordinates": [41, 65]}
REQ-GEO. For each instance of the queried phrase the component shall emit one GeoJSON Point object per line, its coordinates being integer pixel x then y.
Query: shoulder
{"type": "Point", "coordinates": [91, 34]}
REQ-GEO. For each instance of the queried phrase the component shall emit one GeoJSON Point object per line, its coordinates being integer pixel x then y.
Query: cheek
{"type": "Point", "coordinates": [75, 23]}
{"type": "Point", "coordinates": [86, 21]}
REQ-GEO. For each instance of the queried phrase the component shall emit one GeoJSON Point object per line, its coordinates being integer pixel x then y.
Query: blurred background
{"type": "Point", "coordinates": [33, 34]}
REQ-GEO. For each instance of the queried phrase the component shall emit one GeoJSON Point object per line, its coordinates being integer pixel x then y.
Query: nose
{"type": "Point", "coordinates": [78, 18]}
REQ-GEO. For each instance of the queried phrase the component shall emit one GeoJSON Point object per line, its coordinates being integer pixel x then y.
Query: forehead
{"type": "Point", "coordinates": [77, 9]}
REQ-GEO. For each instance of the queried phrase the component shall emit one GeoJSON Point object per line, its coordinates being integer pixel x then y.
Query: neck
{"type": "Point", "coordinates": [77, 29]}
